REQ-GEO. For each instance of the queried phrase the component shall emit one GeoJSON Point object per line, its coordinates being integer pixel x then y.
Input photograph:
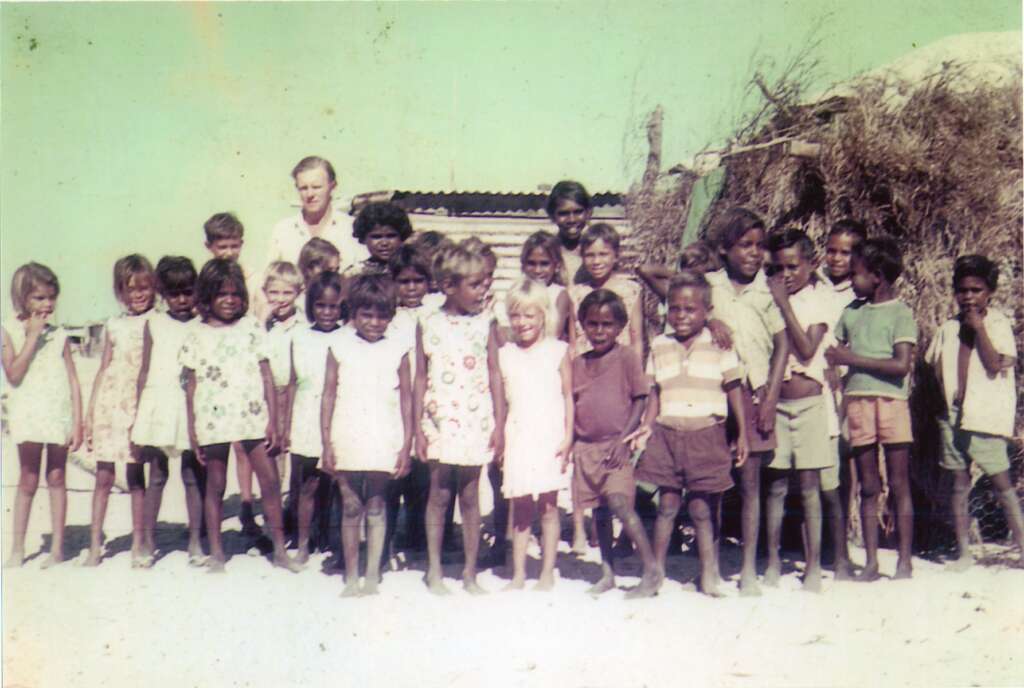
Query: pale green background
{"type": "Point", "coordinates": [125, 125]}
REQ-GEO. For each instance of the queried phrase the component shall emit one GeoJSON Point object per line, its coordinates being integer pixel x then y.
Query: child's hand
{"type": "Point", "coordinates": [618, 456]}
{"type": "Point", "coordinates": [75, 441]}
{"type": "Point", "coordinates": [721, 335]}
{"type": "Point", "coordinates": [272, 443]}
{"type": "Point", "coordinates": [198, 451]}
{"type": "Point", "coordinates": [766, 418]}
{"type": "Point", "coordinates": [402, 465]}
{"type": "Point", "coordinates": [742, 448]}
{"type": "Point", "coordinates": [777, 286]}
{"type": "Point", "coordinates": [328, 458]}
{"type": "Point", "coordinates": [832, 378]}
{"type": "Point", "coordinates": [637, 440]}
{"type": "Point", "coordinates": [564, 453]}
{"type": "Point", "coordinates": [838, 355]}
{"type": "Point", "coordinates": [973, 318]}
{"type": "Point", "coordinates": [35, 324]}
{"type": "Point", "coordinates": [421, 445]}
{"type": "Point", "coordinates": [87, 432]}
{"type": "Point", "coordinates": [497, 444]}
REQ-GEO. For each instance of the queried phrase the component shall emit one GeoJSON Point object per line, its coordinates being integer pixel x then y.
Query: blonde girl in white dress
{"type": "Point", "coordinates": [366, 423]}
{"type": "Point", "coordinates": [161, 422]}
{"type": "Point", "coordinates": [453, 412]}
{"type": "Point", "coordinates": [308, 366]}
{"type": "Point", "coordinates": [44, 402]}
{"type": "Point", "coordinates": [536, 416]}
{"type": "Point", "coordinates": [114, 400]}
{"type": "Point", "coordinates": [230, 398]}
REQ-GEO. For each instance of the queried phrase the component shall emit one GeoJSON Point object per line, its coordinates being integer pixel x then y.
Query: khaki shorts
{"type": "Point", "coordinates": [592, 479]}
{"type": "Point", "coordinates": [878, 420]}
{"type": "Point", "coordinates": [960, 447]}
{"type": "Point", "coordinates": [698, 460]}
{"type": "Point", "coordinates": [801, 431]}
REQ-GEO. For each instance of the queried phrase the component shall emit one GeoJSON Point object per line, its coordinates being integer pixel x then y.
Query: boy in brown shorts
{"type": "Point", "coordinates": [695, 385]}
{"type": "Point", "coordinates": [609, 390]}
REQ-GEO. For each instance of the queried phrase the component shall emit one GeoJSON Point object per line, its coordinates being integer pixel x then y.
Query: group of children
{"type": "Point", "coordinates": [403, 376]}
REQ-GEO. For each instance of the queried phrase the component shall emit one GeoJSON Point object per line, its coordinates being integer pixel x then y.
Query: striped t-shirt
{"type": "Point", "coordinates": [691, 379]}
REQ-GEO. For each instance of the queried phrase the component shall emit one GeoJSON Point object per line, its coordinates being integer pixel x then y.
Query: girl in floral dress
{"type": "Point", "coordinates": [453, 413]}
{"type": "Point", "coordinates": [229, 394]}
{"type": "Point", "coordinates": [114, 399]}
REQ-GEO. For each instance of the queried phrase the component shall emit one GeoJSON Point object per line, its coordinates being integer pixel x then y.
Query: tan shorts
{"type": "Point", "coordinates": [592, 479]}
{"type": "Point", "coordinates": [801, 430]}
{"type": "Point", "coordinates": [878, 420]}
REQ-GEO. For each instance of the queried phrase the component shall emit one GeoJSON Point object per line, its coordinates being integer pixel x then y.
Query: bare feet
{"type": "Point", "coordinates": [215, 565]}
{"type": "Point", "coordinates": [904, 570]}
{"type": "Point", "coordinates": [579, 544]}
{"type": "Point", "coordinates": [370, 584]}
{"type": "Point", "coordinates": [868, 574]}
{"type": "Point", "coordinates": [648, 587]}
{"type": "Point", "coordinates": [285, 562]}
{"type": "Point", "coordinates": [515, 584]}
{"type": "Point", "coordinates": [435, 585]}
{"type": "Point", "coordinates": [812, 580]}
{"type": "Point", "coordinates": [301, 557]}
{"type": "Point", "coordinates": [545, 583]}
{"type": "Point", "coordinates": [197, 559]}
{"type": "Point", "coordinates": [352, 588]}
{"type": "Point", "coordinates": [843, 571]}
{"type": "Point", "coordinates": [52, 560]}
{"type": "Point", "coordinates": [470, 585]}
{"type": "Point", "coordinates": [773, 574]}
{"type": "Point", "coordinates": [14, 561]}
{"type": "Point", "coordinates": [708, 586]}
{"type": "Point", "coordinates": [142, 561]}
{"type": "Point", "coordinates": [93, 559]}
{"type": "Point", "coordinates": [748, 585]}
{"type": "Point", "coordinates": [606, 583]}
{"type": "Point", "coordinates": [960, 565]}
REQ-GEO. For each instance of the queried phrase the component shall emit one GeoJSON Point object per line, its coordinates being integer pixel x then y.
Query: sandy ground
{"type": "Point", "coordinates": [258, 626]}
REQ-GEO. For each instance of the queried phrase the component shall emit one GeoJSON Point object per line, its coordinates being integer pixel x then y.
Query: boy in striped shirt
{"type": "Point", "coordinates": [683, 432]}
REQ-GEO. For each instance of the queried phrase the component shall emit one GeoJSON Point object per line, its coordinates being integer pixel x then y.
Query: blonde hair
{"type": "Point", "coordinates": [526, 293]}
{"type": "Point", "coordinates": [283, 271]}
{"type": "Point", "coordinates": [478, 246]}
{"type": "Point", "coordinates": [126, 268]}
{"type": "Point", "coordinates": [26, 279]}
{"type": "Point", "coordinates": [455, 263]}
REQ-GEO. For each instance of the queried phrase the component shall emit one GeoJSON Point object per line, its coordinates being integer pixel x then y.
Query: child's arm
{"type": "Point", "coordinates": [405, 400]}
{"type": "Point", "coordinates": [497, 396]}
{"type": "Point", "coordinates": [16, 364]}
{"type": "Point", "coordinates": [147, 353]}
{"type": "Point", "coordinates": [565, 371]}
{"type": "Point", "coordinates": [76, 399]}
{"type": "Point", "coordinates": [621, 453]}
{"type": "Point", "coordinates": [289, 400]}
{"type": "Point", "coordinates": [896, 366]}
{"type": "Point", "coordinates": [735, 396]}
{"type": "Point", "coordinates": [563, 306]}
{"type": "Point", "coordinates": [990, 357]}
{"type": "Point", "coordinates": [190, 413]}
{"type": "Point", "coordinates": [636, 324]}
{"type": "Point", "coordinates": [638, 438]}
{"type": "Point", "coordinates": [270, 395]}
{"type": "Point", "coordinates": [770, 396]}
{"type": "Point", "coordinates": [327, 400]}
{"type": "Point", "coordinates": [108, 351]}
{"type": "Point", "coordinates": [656, 277]}
{"type": "Point", "coordinates": [804, 342]}
{"type": "Point", "coordinates": [419, 391]}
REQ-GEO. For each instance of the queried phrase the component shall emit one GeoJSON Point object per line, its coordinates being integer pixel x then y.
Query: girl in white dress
{"type": "Point", "coordinates": [44, 402]}
{"type": "Point", "coordinates": [537, 420]}
{"type": "Point", "coordinates": [113, 402]}
{"type": "Point", "coordinates": [229, 395]}
{"type": "Point", "coordinates": [308, 360]}
{"type": "Point", "coordinates": [453, 412]}
{"type": "Point", "coordinates": [161, 423]}
{"type": "Point", "coordinates": [366, 399]}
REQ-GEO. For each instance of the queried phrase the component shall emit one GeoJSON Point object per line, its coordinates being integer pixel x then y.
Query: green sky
{"type": "Point", "coordinates": [124, 126]}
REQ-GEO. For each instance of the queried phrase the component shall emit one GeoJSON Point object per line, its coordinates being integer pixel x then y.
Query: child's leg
{"type": "Point", "coordinates": [376, 525]}
{"type": "Point", "coordinates": [669, 501]}
{"type": "Point", "coordinates": [270, 494]}
{"type": "Point", "coordinates": [56, 462]}
{"type": "Point", "coordinates": [496, 557]}
{"type": "Point", "coordinates": [778, 486]}
{"type": "Point", "coordinates": [1011, 506]}
{"type": "Point", "coordinates": [437, 504]}
{"type": "Point", "coordinates": [579, 527]}
{"type": "Point", "coordinates": [243, 469]}
{"type": "Point", "coordinates": [157, 460]}
{"type": "Point", "coordinates": [619, 504]}
{"type": "Point", "coordinates": [468, 484]}
{"type": "Point", "coordinates": [216, 480]}
{"type": "Point", "coordinates": [350, 485]}
{"type": "Point", "coordinates": [701, 513]}
{"type": "Point", "coordinates": [961, 519]}
{"type": "Point", "coordinates": [392, 506]}
{"type": "Point", "coordinates": [870, 487]}
{"type": "Point", "coordinates": [750, 487]}
{"type": "Point", "coordinates": [897, 458]}
{"type": "Point", "coordinates": [323, 503]}
{"type": "Point", "coordinates": [834, 509]}
{"type": "Point", "coordinates": [522, 518]}
{"type": "Point", "coordinates": [810, 492]}
{"type": "Point", "coordinates": [30, 457]}
{"type": "Point", "coordinates": [135, 474]}
{"type": "Point", "coordinates": [308, 477]}
{"type": "Point", "coordinates": [547, 505]}
{"type": "Point", "coordinates": [193, 476]}
{"type": "Point", "coordinates": [100, 496]}
{"type": "Point", "coordinates": [603, 520]}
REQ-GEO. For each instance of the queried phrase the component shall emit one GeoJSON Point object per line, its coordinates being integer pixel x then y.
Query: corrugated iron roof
{"type": "Point", "coordinates": [472, 202]}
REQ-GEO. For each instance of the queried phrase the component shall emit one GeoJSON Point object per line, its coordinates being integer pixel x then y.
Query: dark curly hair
{"type": "Point", "coordinates": [381, 214]}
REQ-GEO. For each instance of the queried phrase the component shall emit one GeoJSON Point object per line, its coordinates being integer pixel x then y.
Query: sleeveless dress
{"type": "Point", "coordinates": [161, 420]}
{"type": "Point", "coordinates": [535, 427]}
{"type": "Point", "coordinates": [115, 400]}
{"type": "Point", "coordinates": [309, 357]}
{"type": "Point", "coordinates": [459, 416]}
{"type": "Point", "coordinates": [39, 407]}
{"type": "Point", "coordinates": [366, 429]}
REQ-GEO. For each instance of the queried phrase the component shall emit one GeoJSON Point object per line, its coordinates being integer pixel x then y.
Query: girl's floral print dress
{"type": "Point", "coordinates": [114, 410]}
{"type": "Point", "coordinates": [229, 404]}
